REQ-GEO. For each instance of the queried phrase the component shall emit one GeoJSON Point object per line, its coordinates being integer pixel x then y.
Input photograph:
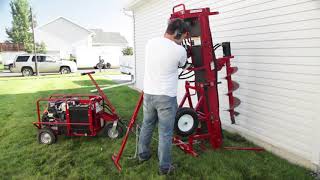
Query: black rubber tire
{"type": "Point", "coordinates": [10, 67]}
{"type": "Point", "coordinates": [51, 135]}
{"type": "Point", "coordinates": [27, 71]}
{"type": "Point", "coordinates": [65, 70]}
{"type": "Point", "coordinates": [108, 65]}
{"type": "Point", "coordinates": [186, 111]}
{"type": "Point", "coordinates": [107, 130]}
{"type": "Point", "coordinates": [100, 66]}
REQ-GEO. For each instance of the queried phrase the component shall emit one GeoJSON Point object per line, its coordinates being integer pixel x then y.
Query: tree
{"type": "Point", "coordinates": [128, 51]}
{"type": "Point", "coordinates": [41, 48]}
{"type": "Point", "coordinates": [20, 32]}
{"type": "Point", "coordinates": [21, 24]}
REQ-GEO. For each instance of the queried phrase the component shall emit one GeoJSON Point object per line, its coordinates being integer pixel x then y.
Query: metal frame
{"type": "Point", "coordinates": [207, 107]}
{"type": "Point", "coordinates": [108, 114]}
{"type": "Point", "coordinates": [117, 156]}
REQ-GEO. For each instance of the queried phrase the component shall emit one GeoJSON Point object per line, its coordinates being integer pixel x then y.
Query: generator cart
{"type": "Point", "coordinates": [77, 115]}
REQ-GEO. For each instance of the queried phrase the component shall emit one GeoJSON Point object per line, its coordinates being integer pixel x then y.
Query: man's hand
{"type": "Point", "coordinates": [189, 51]}
{"type": "Point", "coordinates": [187, 66]}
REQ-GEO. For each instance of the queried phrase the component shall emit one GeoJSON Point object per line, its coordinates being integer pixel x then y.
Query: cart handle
{"type": "Point", "coordinates": [173, 9]}
{"type": "Point", "coordinates": [85, 73]}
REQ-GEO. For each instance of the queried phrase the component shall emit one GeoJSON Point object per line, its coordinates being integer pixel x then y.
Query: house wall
{"type": "Point", "coordinates": [80, 48]}
{"type": "Point", "coordinates": [64, 28]}
{"type": "Point", "coordinates": [53, 43]}
{"type": "Point", "coordinates": [64, 37]}
{"type": "Point", "coordinates": [276, 47]}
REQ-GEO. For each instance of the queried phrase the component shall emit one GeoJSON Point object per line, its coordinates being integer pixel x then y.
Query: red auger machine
{"type": "Point", "coordinates": [202, 120]}
{"type": "Point", "coordinates": [199, 122]}
{"type": "Point", "coordinates": [77, 115]}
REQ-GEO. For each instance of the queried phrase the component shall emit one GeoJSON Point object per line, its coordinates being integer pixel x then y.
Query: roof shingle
{"type": "Point", "coordinates": [107, 38]}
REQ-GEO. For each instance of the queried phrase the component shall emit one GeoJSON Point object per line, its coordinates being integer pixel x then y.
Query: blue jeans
{"type": "Point", "coordinates": [159, 109]}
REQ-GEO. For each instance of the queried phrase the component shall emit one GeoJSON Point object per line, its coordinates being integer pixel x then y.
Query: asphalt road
{"type": "Point", "coordinates": [7, 73]}
{"type": "Point", "coordinates": [116, 76]}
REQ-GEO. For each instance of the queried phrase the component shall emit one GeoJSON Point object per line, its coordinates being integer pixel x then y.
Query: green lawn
{"type": "Point", "coordinates": [21, 157]}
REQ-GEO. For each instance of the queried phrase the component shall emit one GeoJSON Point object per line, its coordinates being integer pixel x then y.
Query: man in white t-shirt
{"type": "Point", "coordinates": [163, 56]}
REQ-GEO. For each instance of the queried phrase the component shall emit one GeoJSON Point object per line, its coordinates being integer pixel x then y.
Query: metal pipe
{"type": "Point", "coordinates": [34, 44]}
{"type": "Point", "coordinates": [134, 43]}
{"type": "Point", "coordinates": [113, 86]}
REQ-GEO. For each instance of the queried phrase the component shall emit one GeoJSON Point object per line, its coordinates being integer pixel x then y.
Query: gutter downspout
{"type": "Point", "coordinates": [133, 77]}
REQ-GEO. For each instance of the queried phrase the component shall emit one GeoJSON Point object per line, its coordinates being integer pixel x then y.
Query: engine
{"type": "Point", "coordinates": [56, 110]}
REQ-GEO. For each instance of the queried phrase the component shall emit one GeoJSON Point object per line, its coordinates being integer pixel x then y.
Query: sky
{"type": "Point", "coordinates": [104, 14]}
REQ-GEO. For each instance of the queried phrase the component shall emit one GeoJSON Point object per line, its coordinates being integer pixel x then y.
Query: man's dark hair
{"type": "Point", "coordinates": [177, 26]}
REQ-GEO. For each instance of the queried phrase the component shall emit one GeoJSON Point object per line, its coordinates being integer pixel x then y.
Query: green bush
{"type": "Point", "coordinates": [40, 47]}
{"type": "Point", "coordinates": [128, 51]}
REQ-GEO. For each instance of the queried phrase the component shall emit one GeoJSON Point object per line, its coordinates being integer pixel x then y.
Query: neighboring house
{"type": "Point", "coordinates": [276, 47]}
{"type": "Point", "coordinates": [65, 38]}
{"type": "Point", "coordinates": [109, 45]}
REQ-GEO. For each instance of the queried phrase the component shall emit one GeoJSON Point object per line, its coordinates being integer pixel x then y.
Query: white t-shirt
{"type": "Point", "coordinates": [163, 56]}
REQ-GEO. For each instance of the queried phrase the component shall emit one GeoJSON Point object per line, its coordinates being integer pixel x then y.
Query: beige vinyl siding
{"type": "Point", "coordinates": [276, 45]}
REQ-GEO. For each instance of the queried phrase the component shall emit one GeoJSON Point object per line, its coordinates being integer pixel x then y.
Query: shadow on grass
{"type": "Point", "coordinates": [90, 157]}
{"type": "Point", "coordinates": [21, 155]}
{"type": "Point", "coordinates": [89, 82]}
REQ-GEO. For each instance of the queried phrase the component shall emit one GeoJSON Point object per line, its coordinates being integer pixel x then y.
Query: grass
{"type": "Point", "coordinates": [1, 67]}
{"type": "Point", "coordinates": [21, 157]}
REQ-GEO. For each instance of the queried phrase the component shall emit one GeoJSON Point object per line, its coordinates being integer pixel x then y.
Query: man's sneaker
{"type": "Point", "coordinates": [142, 160]}
{"type": "Point", "coordinates": [168, 171]}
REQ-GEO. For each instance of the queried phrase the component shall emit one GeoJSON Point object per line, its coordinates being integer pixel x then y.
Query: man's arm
{"type": "Point", "coordinates": [183, 59]}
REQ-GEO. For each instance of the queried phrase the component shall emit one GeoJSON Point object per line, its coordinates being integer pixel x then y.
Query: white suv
{"type": "Point", "coordinates": [46, 64]}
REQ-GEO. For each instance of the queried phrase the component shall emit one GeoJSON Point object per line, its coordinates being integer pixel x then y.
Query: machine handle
{"type": "Point", "coordinates": [85, 73]}
{"type": "Point", "coordinates": [184, 7]}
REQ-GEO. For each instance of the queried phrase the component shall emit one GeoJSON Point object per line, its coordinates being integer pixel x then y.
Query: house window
{"type": "Point", "coordinates": [22, 59]}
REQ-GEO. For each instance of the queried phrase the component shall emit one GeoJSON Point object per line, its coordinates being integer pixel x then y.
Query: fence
{"type": "Point", "coordinates": [12, 47]}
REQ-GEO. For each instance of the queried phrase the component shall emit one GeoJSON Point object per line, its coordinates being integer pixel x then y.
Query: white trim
{"type": "Point", "coordinates": [60, 17]}
{"type": "Point", "coordinates": [110, 44]}
{"type": "Point", "coordinates": [131, 4]}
